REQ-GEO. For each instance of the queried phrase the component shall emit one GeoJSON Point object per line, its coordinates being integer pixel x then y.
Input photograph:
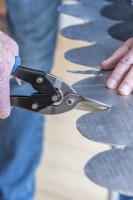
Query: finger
{"type": "Point", "coordinates": [4, 94]}
{"type": "Point", "coordinates": [126, 86]}
{"type": "Point", "coordinates": [9, 50]}
{"type": "Point", "coordinates": [9, 43]}
{"type": "Point", "coordinates": [5, 72]}
{"type": "Point", "coordinates": [121, 69]}
{"type": "Point", "coordinates": [5, 106]}
{"type": "Point", "coordinates": [112, 61]}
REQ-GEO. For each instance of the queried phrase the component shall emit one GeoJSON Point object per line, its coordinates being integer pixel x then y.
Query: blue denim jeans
{"type": "Point", "coordinates": [123, 197]}
{"type": "Point", "coordinates": [33, 24]}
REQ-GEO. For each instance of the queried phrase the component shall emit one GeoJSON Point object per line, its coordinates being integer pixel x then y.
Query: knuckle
{"type": "Point", "coordinates": [126, 61]}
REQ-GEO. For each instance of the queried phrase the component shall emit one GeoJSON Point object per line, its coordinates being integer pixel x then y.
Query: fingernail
{"type": "Point", "coordinates": [112, 83]}
{"type": "Point", "coordinates": [124, 89]}
{"type": "Point", "coordinates": [3, 116]}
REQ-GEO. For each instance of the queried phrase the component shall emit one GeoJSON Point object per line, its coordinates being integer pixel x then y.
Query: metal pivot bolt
{"type": "Point", "coordinates": [35, 106]}
{"type": "Point", "coordinates": [69, 102]}
{"type": "Point", "coordinates": [39, 80]}
{"type": "Point", "coordinates": [54, 98]}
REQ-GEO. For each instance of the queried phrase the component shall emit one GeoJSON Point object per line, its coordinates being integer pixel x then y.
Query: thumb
{"type": "Point", "coordinates": [5, 89]}
{"type": "Point", "coordinates": [4, 95]}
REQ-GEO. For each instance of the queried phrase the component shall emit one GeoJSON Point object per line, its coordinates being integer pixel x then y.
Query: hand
{"type": "Point", "coordinates": [122, 63]}
{"type": "Point", "coordinates": [8, 51]}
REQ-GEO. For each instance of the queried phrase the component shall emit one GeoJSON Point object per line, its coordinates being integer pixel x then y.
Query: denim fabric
{"type": "Point", "coordinates": [33, 24]}
{"type": "Point", "coordinates": [123, 197]}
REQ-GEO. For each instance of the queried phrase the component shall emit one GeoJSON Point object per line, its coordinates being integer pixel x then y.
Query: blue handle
{"type": "Point", "coordinates": [16, 64]}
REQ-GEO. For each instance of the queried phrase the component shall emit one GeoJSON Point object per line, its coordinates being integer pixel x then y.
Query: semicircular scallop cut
{"type": "Point", "coordinates": [112, 126]}
{"type": "Point", "coordinates": [115, 12]}
{"type": "Point", "coordinates": [95, 4]}
{"type": "Point", "coordinates": [87, 11]}
{"type": "Point", "coordinates": [90, 32]}
{"type": "Point", "coordinates": [119, 1]}
{"type": "Point", "coordinates": [92, 56]}
{"type": "Point", "coordinates": [122, 31]}
{"type": "Point", "coordinates": [79, 11]}
{"type": "Point", "coordinates": [113, 169]}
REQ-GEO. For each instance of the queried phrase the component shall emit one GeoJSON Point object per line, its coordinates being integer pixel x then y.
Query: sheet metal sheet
{"type": "Point", "coordinates": [121, 12]}
{"type": "Point", "coordinates": [79, 11]}
{"type": "Point", "coordinates": [92, 56]}
{"type": "Point", "coordinates": [119, 1]}
{"type": "Point", "coordinates": [87, 12]}
{"type": "Point", "coordinates": [113, 169]}
{"type": "Point", "coordinates": [122, 31]}
{"type": "Point", "coordinates": [113, 126]}
{"type": "Point", "coordinates": [90, 32]}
